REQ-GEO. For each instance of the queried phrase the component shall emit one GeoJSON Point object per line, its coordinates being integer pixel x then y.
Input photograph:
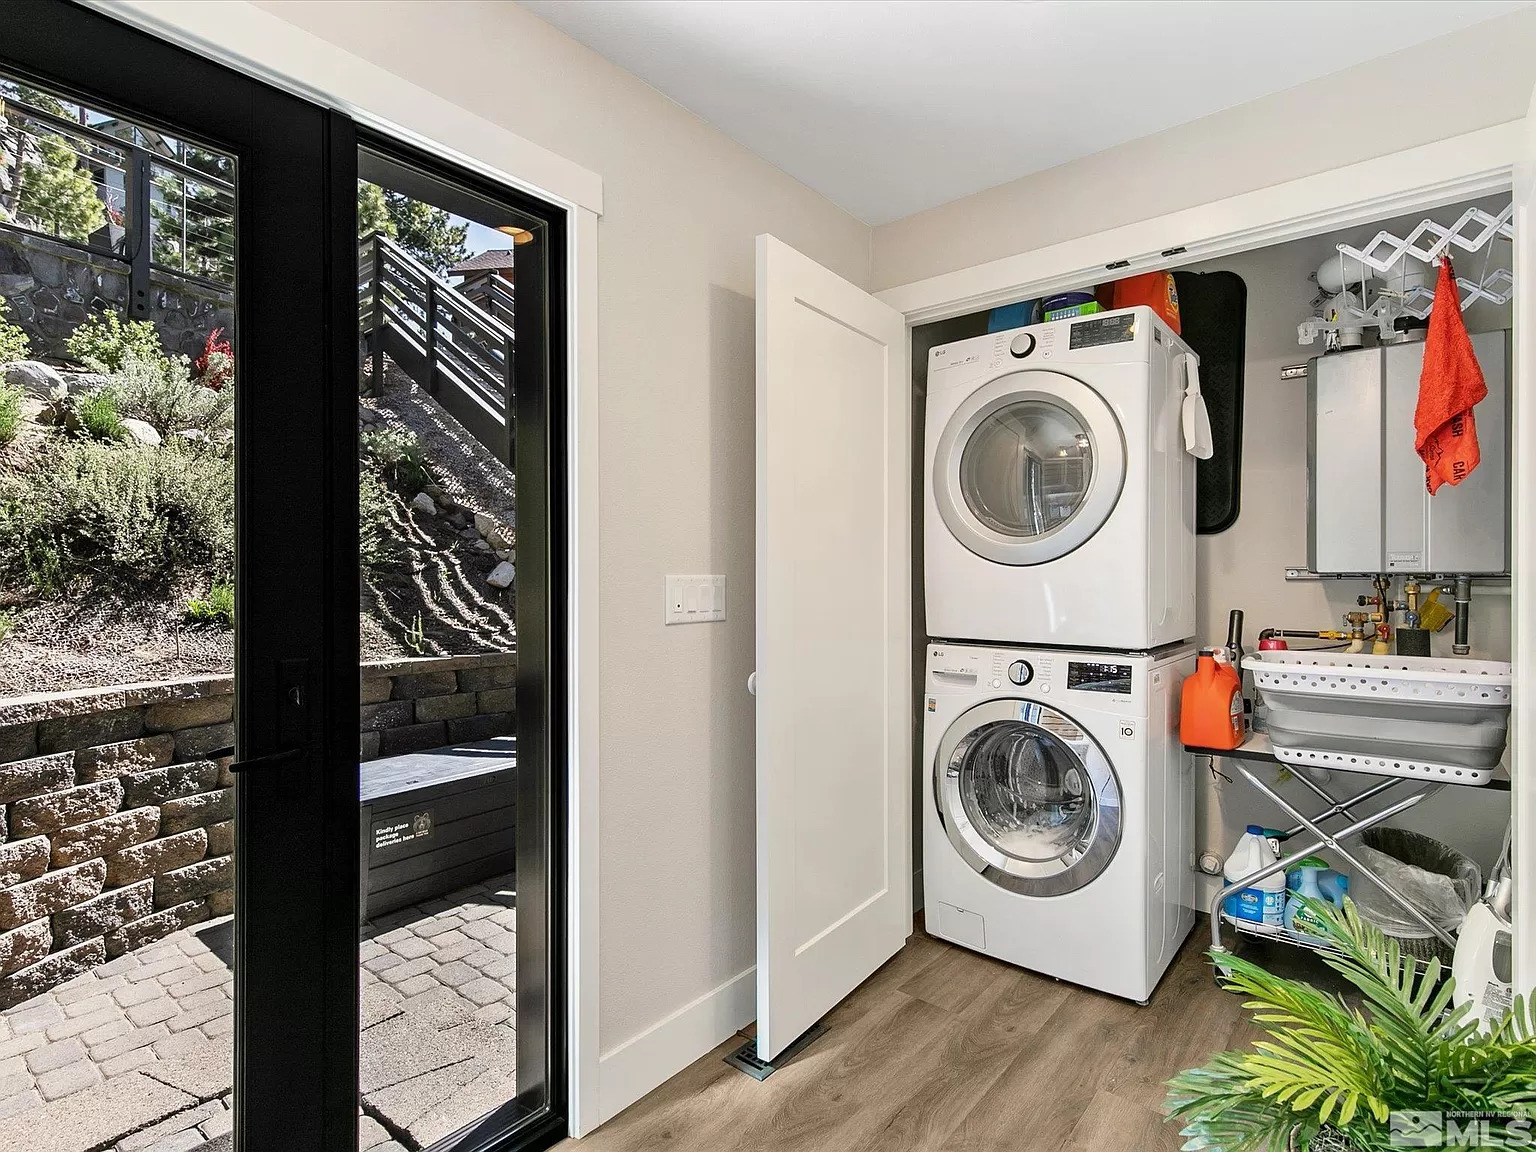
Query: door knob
{"type": "Point", "coordinates": [752, 684]}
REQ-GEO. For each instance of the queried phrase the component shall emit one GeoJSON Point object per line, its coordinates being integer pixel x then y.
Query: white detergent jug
{"type": "Point", "coordinates": [1264, 901]}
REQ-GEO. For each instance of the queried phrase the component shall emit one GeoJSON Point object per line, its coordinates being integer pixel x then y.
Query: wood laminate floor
{"type": "Point", "coordinates": [944, 1050]}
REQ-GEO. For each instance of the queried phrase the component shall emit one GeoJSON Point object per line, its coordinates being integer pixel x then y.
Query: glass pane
{"type": "Point", "coordinates": [1026, 792]}
{"type": "Point", "coordinates": [1027, 468]}
{"type": "Point", "coordinates": [117, 547]}
{"type": "Point", "coordinates": [438, 509]}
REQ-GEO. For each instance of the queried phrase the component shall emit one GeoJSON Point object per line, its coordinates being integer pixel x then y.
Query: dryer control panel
{"type": "Point", "coordinates": [1113, 682]}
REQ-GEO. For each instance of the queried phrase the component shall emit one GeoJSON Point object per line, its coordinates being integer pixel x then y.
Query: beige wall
{"type": "Point", "coordinates": [682, 205]}
{"type": "Point", "coordinates": [1455, 84]}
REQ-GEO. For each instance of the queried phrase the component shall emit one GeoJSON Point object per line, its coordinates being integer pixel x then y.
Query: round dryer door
{"type": "Point", "coordinates": [1029, 467]}
{"type": "Point", "coordinates": [1027, 797]}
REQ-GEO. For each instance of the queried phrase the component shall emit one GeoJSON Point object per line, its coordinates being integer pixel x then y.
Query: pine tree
{"type": "Point", "coordinates": [55, 193]}
{"type": "Point", "coordinates": [372, 211]}
{"type": "Point", "coordinates": [426, 232]}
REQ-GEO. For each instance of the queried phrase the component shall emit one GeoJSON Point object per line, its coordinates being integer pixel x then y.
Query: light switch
{"type": "Point", "coordinates": [695, 599]}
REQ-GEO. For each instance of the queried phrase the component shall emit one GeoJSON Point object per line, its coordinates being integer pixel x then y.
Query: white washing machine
{"type": "Point", "coordinates": [1059, 808]}
{"type": "Point", "coordinates": [1060, 504]}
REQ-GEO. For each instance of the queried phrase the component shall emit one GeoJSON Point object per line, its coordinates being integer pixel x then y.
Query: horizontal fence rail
{"type": "Point", "coordinates": [449, 345]}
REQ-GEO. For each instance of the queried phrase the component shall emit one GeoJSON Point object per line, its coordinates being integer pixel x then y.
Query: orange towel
{"type": "Point", "coordinates": [1445, 431]}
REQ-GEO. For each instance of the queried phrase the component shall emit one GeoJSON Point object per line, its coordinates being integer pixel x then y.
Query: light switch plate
{"type": "Point", "coordinates": [695, 599]}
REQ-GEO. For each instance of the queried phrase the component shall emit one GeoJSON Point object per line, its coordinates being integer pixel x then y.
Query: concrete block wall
{"type": "Point", "coordinates": [117, 828]}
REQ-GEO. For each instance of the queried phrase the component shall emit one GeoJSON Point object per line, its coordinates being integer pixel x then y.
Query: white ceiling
{"type": "Point", "coordinates": [890, 108]}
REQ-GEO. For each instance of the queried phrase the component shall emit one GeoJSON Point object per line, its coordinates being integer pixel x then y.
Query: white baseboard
{"type": "Point", "coordinates": [643, 1062]}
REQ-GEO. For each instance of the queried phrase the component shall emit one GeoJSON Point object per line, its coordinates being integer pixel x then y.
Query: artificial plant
{"type": "Point", "coordinates": [1326, 1064]}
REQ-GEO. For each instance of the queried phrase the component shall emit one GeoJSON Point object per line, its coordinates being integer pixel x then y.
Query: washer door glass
{"type": "Point", "coordinates": [1026, 792]}
{"type": "Point", "coordinates": [1027, 468]}
{"type": "Point", "coordinates": [1028, 797]}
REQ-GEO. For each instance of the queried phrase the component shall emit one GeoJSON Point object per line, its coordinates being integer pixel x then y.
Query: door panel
{"type": "Point", "coordinates": [834, 550]}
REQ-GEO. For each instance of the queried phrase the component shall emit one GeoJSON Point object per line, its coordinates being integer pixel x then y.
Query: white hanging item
{"type": "Point", "coordinates": [1197, 420]}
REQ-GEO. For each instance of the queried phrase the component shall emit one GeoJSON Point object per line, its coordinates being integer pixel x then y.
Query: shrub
{"type": "Point", "coordinates": [397, 455]}
{"type": "Point", "coordinates": [160, 392]}
{"type": "Point", "coordinates": [377, 539]}
{"type": "Point", "coordinates": [104, 343]}
{"type": "Point", "coordinates": [216, 366]}
{"type": "Point", "coordinates": [14, 343]}
{"type": "Point", "coordinates": [123, 517]}
{"type": "Point", "coordinates": [218, 608]}
{"type": "Point", "coordinates": [10, 412]}
{"type": "Point", "coordinates": [99, 418]}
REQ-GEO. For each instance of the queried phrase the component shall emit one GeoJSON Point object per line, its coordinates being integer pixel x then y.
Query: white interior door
{"type": "Point", "coordinates": [833, 678]}
{"type": "Point", "coordinates": [1523, 520]}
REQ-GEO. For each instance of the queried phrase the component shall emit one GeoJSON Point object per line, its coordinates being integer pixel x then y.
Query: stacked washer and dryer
{"type": "Point", "coordinates": [1059, 558]}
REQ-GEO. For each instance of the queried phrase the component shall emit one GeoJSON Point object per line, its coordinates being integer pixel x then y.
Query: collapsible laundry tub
{"type": "Point", "coordinates": [1417, 716]}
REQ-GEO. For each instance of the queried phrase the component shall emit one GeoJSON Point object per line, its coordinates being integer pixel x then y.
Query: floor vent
{"type": "Point", "coordinates": [745, 1059]}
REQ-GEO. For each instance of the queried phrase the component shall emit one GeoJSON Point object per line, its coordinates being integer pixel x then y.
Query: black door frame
{"type": "Point", "coordinates": [296, 578]}
{"type": "Point", "coordinates": [538, 1117]}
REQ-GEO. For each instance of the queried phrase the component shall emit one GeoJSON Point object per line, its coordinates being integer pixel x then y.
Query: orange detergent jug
{"type": "Point", "coordinates": [1211, 709]}
{"type": "Point", "coordinates": [1154, 289]}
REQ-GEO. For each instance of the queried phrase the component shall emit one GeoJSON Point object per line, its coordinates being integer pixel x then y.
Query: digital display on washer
{"type": "Point", "coordinates": [1114, 678]}
{"type": "Point", "coordinates": [1104, 330]}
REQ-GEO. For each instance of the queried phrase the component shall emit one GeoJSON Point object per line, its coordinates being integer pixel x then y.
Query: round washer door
{"type": "Point", "coordinates": [1029, 467]}
{"type": "Point", "coordinates": [1027, 797]}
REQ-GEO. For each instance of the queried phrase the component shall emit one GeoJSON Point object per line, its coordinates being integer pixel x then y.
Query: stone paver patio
{"type": "Point", "coordinates": [136, 1055]}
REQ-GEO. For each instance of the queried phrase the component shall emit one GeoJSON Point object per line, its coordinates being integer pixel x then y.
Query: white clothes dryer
{"type": "Point", "coordinates": [1060, 502]}
{"type": "Point", "coordinates": [1058, 810]}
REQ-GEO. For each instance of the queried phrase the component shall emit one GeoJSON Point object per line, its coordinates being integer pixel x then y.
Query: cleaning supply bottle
{"type": "Point", "coordinates": [1264, 901]}
{"type": "Point", "coordinates": [1211, 707]}
{"type": "Point", "coordinates": [1298, 917]}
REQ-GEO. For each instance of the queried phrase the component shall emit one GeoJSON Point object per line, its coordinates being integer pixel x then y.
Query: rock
{"type": "Point", "coordinates": [485, 523]}
{"type": "Point", "coordinates": [25, 945]}
{"type": "Point", "coordinates": [422, 503]}
{"type": "Point", "coordinates": [458, 520]}
{"type": "Point", "coordinates": [36, 776]}
{"type": "Point", "coordinates": [502, 675]}
{"type": "Point", "coordinates": [413, 738]}
{"type": "Point", "coordinates": [368, 745]}
{"type": "Point", "coordinates": [23, 860]}
{"type": "Point", "coordinates": [502, 575]}
{"type": "Point", "coordinates": [199, 811]}
{"type": "Point", "coordinates": [472, 728]}
{"type": "Point", "coordinates": [141, 432]}
{"type": "Point", "coordinates": [17, 741]}
{"type": "Point", "coordinates": [504, 554]}
{"type": "Point", "coordinates": [35, 378]}
{"type": "Point", "coordinates": [375, 689]}
{"type": "Point", "coordinates": [57, 810]}
{"type": "Point", "coordinates": [482, 546]}
{"type": "Point", "coordinates": [171, 715]}
{"type": "Point", "coordinates": [221, 838]}
{"type": "Point", "coordinates": [155, 926]}
{"type": "Point", "coordinates": [221, 903]}
{"type": "Point", "coordinates": [444, 707]}
{"type": "Point", "coordinates": [497, 700]}
{"type": "Point", "coordinates": [53, 970]}
{"type": "Point", "coordinates": [101, 837]}
{"type": "Point", "coordinates": [78, 382]}
{"type": "Point", "coordinates": [425, 684]}
{"type": "Point", "coordinates": [110, 760]}
{"type": "Point", "coordinates": [500, 539]}
{"type": "Point", "coordinates": [193, 435]}
{"type": "Point", "coordinates": [156, 856]}
{"type": "Point", "coordinates": [194, 881]}
{"type": "Point", "coordinates": [49, 893]}
{"type": "Point", "coordinates": [469, 534]}
{"type": "Point", "coordinates": [390, 714]}
{"type": "Point", "coordinates": [192, 743]}
{"type": "Point", "coordinates": [107, 912]}
{"type": "Point", "coordinates": [161, 784]}
{"type": "Point", "coordinates": [89, 729]}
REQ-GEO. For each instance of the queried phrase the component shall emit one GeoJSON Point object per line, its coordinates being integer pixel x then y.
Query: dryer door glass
{"type": "Point", "coordinates": [1027, 468]}
{"type": "Point", "coordinates": [1027, 793]}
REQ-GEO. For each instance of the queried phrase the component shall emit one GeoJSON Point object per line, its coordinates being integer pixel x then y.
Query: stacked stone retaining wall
{"type": "Point", "coordinates": [117, 827]}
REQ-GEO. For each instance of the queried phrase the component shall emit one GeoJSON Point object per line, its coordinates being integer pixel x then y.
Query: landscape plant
{"type": "Point", "coordinates": [161, 392]}
{"type": "Point", "coordinates": [216, 366]}
{"type": "Point", "coordinates": [104, 342]}
{"type": "Point", "coordinates": [121, 517]}
{"type": "Point", "coordinates": [11, 414]}
{"type": "Point", "coordinates": [14, 343]}
{"type": "Point", "coordinates": [218, 608]}
{"type": "Point", "coordinates": [398, 457]}
{"type": "Point", "coordinates": [99, 418]}
{"type": "Point", "coordinates": [1327, 1067]}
